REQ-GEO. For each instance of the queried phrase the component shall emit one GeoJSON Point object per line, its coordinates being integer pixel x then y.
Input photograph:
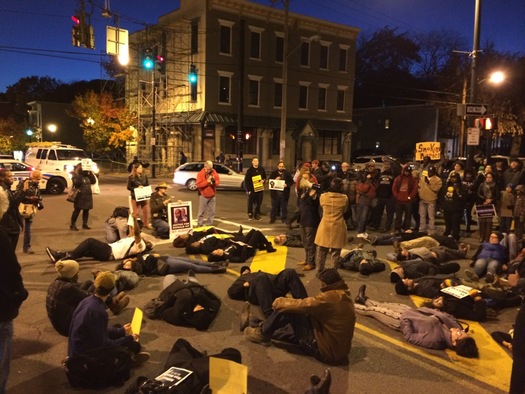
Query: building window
{"type": "Point", "coordinates": [255, 42]}
{"type": "Point", "coordinates": [303, 95]}
{"type": "Point", "coordinates": [276, 141]}
{"type": "Point", "coordinates": [225, 37]}
{"type": "Point", "coordinates": [225, 80]}
{"type": "Point", "coordinates": [387, 124]}
{"type": "Point", "coordinates": [254, 90]}
{"type": "Point", "coordinates": [340, 99]}
{"type": "Point", "coordinates": [279, 49]}
{"type": "Point", "coordinates": [343, 55]}
{"type": "Point", "coordinates": [278, 95]}
{"type": "Point", "coordinates": [323, 57]}
{"type": "Point", "coordinates": [194, 36]}
{"type": "Point", "coordinates": [321, 101]}
{"type": "Point", "coordinates": [329, 143]}
{"type": "Point", "coordinates": [305, 54]}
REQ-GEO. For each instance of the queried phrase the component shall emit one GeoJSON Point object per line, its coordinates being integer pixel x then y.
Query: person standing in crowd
{"type": "Point", "coordinates": [366, 193]}
{"type": "Point", "coordinates": [28, 192]}
{"type": "Point", "coordinates": [429, 187]}
{"type": "Point", "coordinates": [515, 174]}
{"type": "Point", "coordinates": [519, 212]}
{"type": "Point", "coordinates": [207, 183]}
{"type": "Point", "coordinates": [254, 185]}
{"type": "Point", "coordinates": [505, 212]}
{"type": "Point", "coordinates": [331, 234]}
{"type": "Point", "coordinates": [138, 179]}
{"type": "Point", "coordinates": [488, 194]}
{"type": "Point", "coordinates": [183, 159]}
{"type": "Point", "coordinates": [469, 183]}
{"type": "Point", "coordinates": [405, 191]}
{"type": "Point", "coordinates": [12, 291]}
{"type": "Point", "coordinates": [453, 202]}
{"type": "Point", "coordinates": [11, 221]}
{"type": "Point", "coordinates": [458, 169]}
{"type": "Point", "coordinates": [159, 210]}
{"type": "Point", "coordinates": [324, 175]}
{"type": "Point", "coordinates": [82, 180]}
{"type": "Point", "coordinates": [280, 197]}
{"type": "Point", "coordinates": [349, 178]}
{"type": "Point", "coordinates": [136, 161]}
{"type": "Point", "coordinates": [308, 217]}
{"type": "Point", "coordinates": [385, 198]}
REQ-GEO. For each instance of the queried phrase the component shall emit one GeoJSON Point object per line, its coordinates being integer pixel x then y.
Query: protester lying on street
{"type": "Point", "coordinates": [364, 262]}
{"type": "Point", "coordinates": [425, 327]}
{"type": "Point", "coordinates": [65, 293]}
{"type": "Point", "coordinates": [413, 239]}
{"type": "Point", "coordinates": [155, 264]}
{"type": "Point", "coordinates": [102, 251]}
{"type": "Point", "coordinates": [237, 249]}
{"type": "Point", "coordinates": [292, 239]}
{"type": "Point", "coordinates": [414, 269]}
{"type": "Point", "coordinates": [436, 255]}
{"type": "Point", "coordinates": [481, 304]}
{"type": "Point", "coordinates": [185, 303]}
{"type": "Point", "coordinates": [185, 240]}
{"type": "Point", "coordinates": [321, 326]}
{"type": "Point", "coordinates": [260, 288]}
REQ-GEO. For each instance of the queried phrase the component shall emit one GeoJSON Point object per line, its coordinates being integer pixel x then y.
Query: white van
{"type": "Point", "coordinates": [58, 160]}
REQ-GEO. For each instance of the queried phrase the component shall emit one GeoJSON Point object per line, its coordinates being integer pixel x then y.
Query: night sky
{"type": "Point", "coordinates": [35, 35]}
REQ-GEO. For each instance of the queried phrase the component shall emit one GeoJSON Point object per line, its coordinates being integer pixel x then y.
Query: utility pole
{"type": "Point", "coordinates": [284, 96]}
{"type": "Point", "coordinates": [153, 125]}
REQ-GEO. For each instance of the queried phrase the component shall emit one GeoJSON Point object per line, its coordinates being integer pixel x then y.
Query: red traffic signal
{"type": "Point", "coordinates": [487, 123]}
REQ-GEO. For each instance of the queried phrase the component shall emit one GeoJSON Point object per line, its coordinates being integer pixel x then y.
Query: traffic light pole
{"type": "Point", "coordinates": [153, 126]}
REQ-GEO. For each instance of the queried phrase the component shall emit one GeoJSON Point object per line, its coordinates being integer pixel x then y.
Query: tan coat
{"type": "Point", "coordinates": [331, 232]}
{"type": "Point", "coordinates": [332, 315]}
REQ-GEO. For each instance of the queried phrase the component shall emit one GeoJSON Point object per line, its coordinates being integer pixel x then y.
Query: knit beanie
{"type": "Point", "coordinates": [329, 276]}
{"type": "Point", "coordinates": [67, 268]}
{"type": "Point", "coordinates": [401, 288]}
{"type": "Point", "coordinates": [394, 277]}
{"type": "Point", "coordinates": [105, 279]}
{"type": "Point", "coordinates": [244, 268]}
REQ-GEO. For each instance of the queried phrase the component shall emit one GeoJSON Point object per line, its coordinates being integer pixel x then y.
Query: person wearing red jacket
{"type": "Point", "coordinates": [405, 192]}
{"type": "Point", "coordinates": [207, 182]}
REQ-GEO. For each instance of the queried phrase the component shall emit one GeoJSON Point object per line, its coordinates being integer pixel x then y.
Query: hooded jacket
{"type": "Point", "coordinates": [405, 187]}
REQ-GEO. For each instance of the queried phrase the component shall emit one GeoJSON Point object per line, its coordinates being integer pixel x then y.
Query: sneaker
{"type": "Point", "coordinates": [86, 227]}
{"type": "Point", "coordinates": [471, 275]}
{"type": "Point", "coordinates": [250, 216]}
{"type": "Point", "coordinates": [257, 217]}
{"type": "Point", "coordinates": [54, 255]}
{"type": "Point", "coordinates": [489, 277]}
{"type": "Point", "coordinates": [372, 239]}
{"type": "Point", "coordinates": [191, 276]}
{"type": "Point", "coordinates": [254, 334]}
{"type": "Point", "coordinates": [138, 359]}
{"type": "Point", "coordinates": [73, 228]}
{"type": "Point", "coordinates": [362, 235]}
{"type": "Point", "coordinates": [29, 251]}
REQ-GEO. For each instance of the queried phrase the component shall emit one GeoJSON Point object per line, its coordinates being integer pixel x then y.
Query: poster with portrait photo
{"type": "Point", "coordinates": [179, 218]}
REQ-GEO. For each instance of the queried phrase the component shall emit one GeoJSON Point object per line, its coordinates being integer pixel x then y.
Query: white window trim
{"type": "Point", "coordinates": [258, 79]}
{"type": "Point", "coordinates": [259, 31]}
{"type": "Point", "coordinates": [229, 75]}
{"type": "Point", "coordinates": [326, 44]}
{"type": "Point", "coordinates": [307, 85]}
{"type": "Point", "coordinates": [230, 24]}
{"type": "Point", "coordinates": [346, 48]}
{"type": "Point", "coordinates": [343, 89]}
{"type": "Point", "coordinates": [279, 81]}
{"type": "Point", "coordinates": [304, 40]}
{"type": "Point", "coordinates": [323, 86]}
{"type": "Point", "coordinates": [281, 35]}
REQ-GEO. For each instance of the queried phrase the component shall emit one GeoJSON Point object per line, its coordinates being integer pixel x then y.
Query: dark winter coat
{"type": "Point", "coordinates": [83, 182]}
{"type": "Point", "coordinates": [137, 181]}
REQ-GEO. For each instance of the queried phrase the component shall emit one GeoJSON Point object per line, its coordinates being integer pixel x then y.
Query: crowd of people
{"type": "Point", "coordinates": [401, 204]}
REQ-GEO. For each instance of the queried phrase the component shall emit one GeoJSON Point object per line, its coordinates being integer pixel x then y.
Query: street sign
{"type": "Point", "coordinates": [473, 136]}
{"type": "Point", "coordinates": [475, 109]}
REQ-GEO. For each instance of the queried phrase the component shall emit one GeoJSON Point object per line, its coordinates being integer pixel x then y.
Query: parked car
{"type": "Point", "coordinates": [186, 175]}
{"type": "Point", "coordinates": [360, 162]}
{"type": "Point", "coordinates": [21, 171]}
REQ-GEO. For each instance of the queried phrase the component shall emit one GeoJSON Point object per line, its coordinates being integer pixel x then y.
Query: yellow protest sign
{"type": "Point", "coordinates": [432, 149]}
{"type": "Point", "coordinates": [258, 183]}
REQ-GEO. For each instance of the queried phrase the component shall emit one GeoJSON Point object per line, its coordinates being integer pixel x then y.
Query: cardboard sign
{"type": "Point", "coordinates": [486, 211]}
{"type": "Point", "coordinates": [228, 377]}
{"type": "Point", "coordinates": [432, 149]}
{"type": "Point", "coordinates": [179, 218]}
{"type": "Point", "coordinates": [258, 183]}
{"type": "Point", "coordinates": [173, 376]}
{"type": "Point", "coordinates": [142, 193]}
{"type": "Point", "coordinates": [460, 291]}
{"type": "Point", "coordinates": [277, 184]}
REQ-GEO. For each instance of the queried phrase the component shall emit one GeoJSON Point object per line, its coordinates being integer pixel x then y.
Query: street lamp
{"type": "Point", "coordinates": [52, 128]}
{"type": "Point", "coordinates": [315, 37]}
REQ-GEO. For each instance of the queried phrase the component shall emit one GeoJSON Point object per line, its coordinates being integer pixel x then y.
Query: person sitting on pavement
{"type": "Point", "coordinates": [155, 264]}
{"type": "Point", "coordinates": [364, 262]}
{"type": "Point", "coordinates": [103, 251]}
{"type": "Point", "coordinates": [425, 327]}
{"type": "Point", "coordinates": [489, 260]}
{"type": "Point", "coordinates": [260, 288]}
{"type": "Point", "coordinates": [292, 239]}
{"type": "Point", "coordinates": [321, 326]}
{"type": "Point", "coordinates": [89, 331]}
{"type": "Point", "coordinates": [65, 293]}
{"type": "Point", "coordinates": [159, 210]}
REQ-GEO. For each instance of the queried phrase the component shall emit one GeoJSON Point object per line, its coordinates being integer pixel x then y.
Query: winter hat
{"type": "Point", "coordinates": [329, 276]}
{"type": "Point", "coordinates": [67, 268]}
{"type": "Point", "coordinates": [510, 185]}
{"type": "Point", "coordinates": [394, 277]}
{"type": "Point", "coordinates": [244, 268]}
{"type": "Point", "coordinates": [401, 289]}
{"type": "Point", "coordinates": [365, 268]}
{"type": "Point", "coordinates": [105, 280]}
{"type": "Point", "coordinates": [161, 185]}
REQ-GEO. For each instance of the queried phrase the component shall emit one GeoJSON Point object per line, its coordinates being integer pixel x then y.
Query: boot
{"type": "Point", "coordinates": [118, 306]}
{"type": "Point", "coordinates": [361, 296]}
{"type": "Point", "coordinates": [86, 227]}
{"type": "Point", "coordinates": [73, 227]}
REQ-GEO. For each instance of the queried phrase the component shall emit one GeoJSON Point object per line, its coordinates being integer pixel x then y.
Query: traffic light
{"type": "Point", "coordinates": [487, 124]}
{"type": "Point", "coordinates": [148, 61]}
{"type": "Point", "coordinates": [76, 31]}
{"type": "Point", "coordinates": [193, 78]}
{"type": "Point", "coordinates": [161, 61]}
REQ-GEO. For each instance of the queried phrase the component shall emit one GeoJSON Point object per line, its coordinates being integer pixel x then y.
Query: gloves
{"type": "Point", "coordinates": [475, 294]}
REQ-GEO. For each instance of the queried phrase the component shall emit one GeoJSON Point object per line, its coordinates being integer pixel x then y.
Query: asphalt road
{"type": "Point", "coordinates": [380, 361]}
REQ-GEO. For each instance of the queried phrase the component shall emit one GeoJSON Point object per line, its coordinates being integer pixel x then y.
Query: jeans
{"type": "Point", "coordinates": [177, 265]}
{"type": "Point", "coordinates": [482, 266]}
{"type": "Point", "coordinates": [403, 208]}
{"type": "Point", "coordinates": [377, 212]}
{"type": "Point", "coordinates": [162, 228]}
{"type": "Point", "coordinates": [321, 254]}
{"type": "Point", "coordinates": [427, 209]}
{"type": "Point", "coordinates": [255, 199]}
{"type": "Point", "coordinates": [279, 206]}
{"type": "Point", "coordinates": [308, 235]}
{"type": "Point", "coordinates": [6, 343]}
{"type": "Point", "coordinates": [92, 247]}
{"type": "Point", "coordinates": [76, 212]}
{"type": "Point", "coordinates": [362, 217]}
{"type": "Point", "coordinates": [206, 205]}
{"type": "Point", "coordinates": [27, 234]}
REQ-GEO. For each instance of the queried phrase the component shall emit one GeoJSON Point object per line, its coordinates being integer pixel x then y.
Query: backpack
{"type": "Point", "coordinates": [120, 211]}
{"type": "Point", "coordinates": [99, 368]}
